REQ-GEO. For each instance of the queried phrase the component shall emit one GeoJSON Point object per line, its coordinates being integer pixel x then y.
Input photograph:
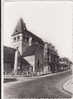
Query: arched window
{"type": "Point", "coordinates": [30, 41]}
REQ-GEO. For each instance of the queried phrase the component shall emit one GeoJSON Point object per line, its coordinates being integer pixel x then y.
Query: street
{"type": "Point", "coordinates": [47, 87]}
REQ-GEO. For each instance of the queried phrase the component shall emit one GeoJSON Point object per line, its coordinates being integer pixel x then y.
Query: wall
{"type": "Point", "coordinates": [8, 68]}
{"type": "Point", "coordinates": [39, 60]}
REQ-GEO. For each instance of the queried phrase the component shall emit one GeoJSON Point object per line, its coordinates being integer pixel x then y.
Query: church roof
{"type": "Point", "coordinates": [30, 34]}
{"type": "Point", "coordinates": [20, 27]}
{"type": "Point", "coordinates": [31, 50]}
{"type": "Point", "coordinates": [23, 61]}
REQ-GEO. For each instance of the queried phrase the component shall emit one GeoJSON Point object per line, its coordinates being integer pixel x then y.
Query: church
{"type": "Point", "coordinates": [30, 48]}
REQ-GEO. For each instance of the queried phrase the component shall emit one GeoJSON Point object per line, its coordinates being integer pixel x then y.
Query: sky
{"type": "Point", "coordinates": [51, 21]}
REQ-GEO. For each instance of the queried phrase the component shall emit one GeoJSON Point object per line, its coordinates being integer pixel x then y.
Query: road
{"type": "Point", "coordinates": [47, 87]}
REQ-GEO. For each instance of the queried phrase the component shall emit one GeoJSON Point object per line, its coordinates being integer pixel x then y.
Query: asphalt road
{"type": "Point", "coordinates": [47, 87]}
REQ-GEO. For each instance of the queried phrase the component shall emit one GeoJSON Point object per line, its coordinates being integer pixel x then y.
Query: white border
{"type": "Point", "coordinates": [2, 25]}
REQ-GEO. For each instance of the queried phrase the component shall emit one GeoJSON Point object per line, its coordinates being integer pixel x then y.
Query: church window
{"type": "Point", "coordinates": [30, 41]}
{"type": "Point", "coordinates": [18, 37]}
{"type": "Point", "coordinates": [14, 38]}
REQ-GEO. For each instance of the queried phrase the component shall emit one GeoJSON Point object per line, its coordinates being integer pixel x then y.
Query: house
{"type": "Point", "coordinates": [9, 55]}
{"type": "Point", "coordinates": [64, 63]}
{"type": "Point", "coordinates": [52, 58]}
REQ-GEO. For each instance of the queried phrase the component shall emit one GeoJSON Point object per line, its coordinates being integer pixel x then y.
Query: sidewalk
{"type": "Point", "coordinates": [20, 79]}
{"type": "Point", "coordinates": [68, 86]}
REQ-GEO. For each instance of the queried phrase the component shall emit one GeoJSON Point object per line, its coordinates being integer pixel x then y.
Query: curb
{"type": "Point", "coordinates": [39, 77]}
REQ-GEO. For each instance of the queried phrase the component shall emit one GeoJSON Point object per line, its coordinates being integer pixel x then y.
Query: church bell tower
{"type": "Point", "coordinates": [17, 41]}
{"type": "Point", "coordinates": [17, 36]}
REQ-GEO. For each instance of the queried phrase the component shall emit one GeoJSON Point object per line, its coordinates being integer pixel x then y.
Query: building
{"type": "Point", "coordinates": [40, 56]}
{"type": "Point", "coordinates": [9, 55]}
{"type": "Point", "coordinates": [64, 63]}
{"type": "Point", "coordinates": [28, 46]}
